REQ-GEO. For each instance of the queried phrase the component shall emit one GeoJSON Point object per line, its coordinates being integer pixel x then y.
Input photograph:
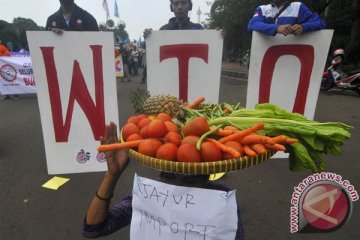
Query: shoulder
{"type": "Point", "coordinates": [83, 12]}
{"type": "Point", "coordinates": [196, 26]}
{"type": "Point", "coordinates": [170, 25]}
{"type": "Point", "coordinates": [265, 9]}
{"type": "Point", "coordinates": [54, 15]}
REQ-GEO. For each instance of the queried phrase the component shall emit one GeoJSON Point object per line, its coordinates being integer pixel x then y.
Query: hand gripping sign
{"type": "Point", "coordinates": [185, 64]}
{"type": "Point", "coordinates": [164, 211]}
{"type": "Point", "coordinates": [287, 71]}
{"type": "Point", "coordinates": [75, 101]}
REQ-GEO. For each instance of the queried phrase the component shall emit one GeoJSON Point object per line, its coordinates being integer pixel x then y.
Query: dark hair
{"type": "Point", "coordinates": [189, 1]}
{"type": "Point", "coordinates": [187, 178]}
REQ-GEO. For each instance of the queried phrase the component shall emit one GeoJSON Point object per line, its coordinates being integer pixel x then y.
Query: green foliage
{"type": "Point", "coordinates": [314, 138]}
{"type": "Point", "coordinates": [15, 32]}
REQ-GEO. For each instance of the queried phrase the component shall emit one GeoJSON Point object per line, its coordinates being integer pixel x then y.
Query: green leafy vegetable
{"type": "Point", "coordinates": [315, 138]}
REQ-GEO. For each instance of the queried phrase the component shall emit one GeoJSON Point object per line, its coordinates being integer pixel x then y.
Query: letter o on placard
{"type": "Point", "coordinates": [177, 227]}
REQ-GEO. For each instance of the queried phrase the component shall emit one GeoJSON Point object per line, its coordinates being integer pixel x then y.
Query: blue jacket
{"type": "Point", "coordinates": [295, 13]}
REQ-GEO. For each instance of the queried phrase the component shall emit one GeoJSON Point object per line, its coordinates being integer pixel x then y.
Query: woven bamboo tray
{"type": "Point", "coordinates": [203, 168]}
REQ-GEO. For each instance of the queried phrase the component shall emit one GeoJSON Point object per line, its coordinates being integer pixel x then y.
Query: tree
{"type": "Point", "coordinates": [15, 32]}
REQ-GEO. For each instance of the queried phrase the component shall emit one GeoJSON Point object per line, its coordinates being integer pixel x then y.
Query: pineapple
{"type": "Point", "coordinates": [137, 98]}
{"type": "Point", "coordinates": [162, 103]}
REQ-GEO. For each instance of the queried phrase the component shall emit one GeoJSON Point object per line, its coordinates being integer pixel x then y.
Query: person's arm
{"type": "Point", "coordinates": [257, 23]}
{"type": "Point", "coordinates": [99, 214]}
{"type": "Point", "coordinates": [49, 26]}
{"type": "Point", "coordinates": [308, 20]}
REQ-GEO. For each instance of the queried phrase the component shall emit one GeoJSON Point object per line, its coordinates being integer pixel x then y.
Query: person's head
{"type": "Point", "coordinates": [181, 8]}
{"type": "Point", "coordinates": [0, 41]}
{"type": "Point", "coordinates": [184, 180]}
{"type": "Point", "coordinates": [66, 3]}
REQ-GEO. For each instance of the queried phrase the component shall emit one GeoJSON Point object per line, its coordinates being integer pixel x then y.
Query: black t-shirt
{"type": "Point", "coordinates": [80, 20]}
{"type": "Point", "coordinates": [187, 25]}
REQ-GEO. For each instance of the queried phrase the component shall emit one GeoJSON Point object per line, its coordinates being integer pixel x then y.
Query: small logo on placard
{"type": "Point", "coordinates": [8, 73]}
{"type": "Point", "coordinates": [82, 156]}
{"type": "Point", "coordinates": [101, 157]}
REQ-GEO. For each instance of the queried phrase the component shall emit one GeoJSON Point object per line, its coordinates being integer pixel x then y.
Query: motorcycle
{"type": "Point", "coordinates": [333, 79]}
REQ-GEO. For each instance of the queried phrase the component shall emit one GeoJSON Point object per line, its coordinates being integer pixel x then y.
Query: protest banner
{"type": "Point", "coordinates": [76, 89]}
{"type": "Point", "coordinates": [287, 71]}
{"type": "Point", "coordinates": [16, 75]}
{"type": "Point", "coordinates": [185, 64]}
{"type": "Point", "coordinates": [164, 211]}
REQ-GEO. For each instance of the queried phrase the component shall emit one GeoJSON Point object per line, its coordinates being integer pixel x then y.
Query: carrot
{"type": "Point", "coordinates": [291, 140]}
{"type": "Point", "coordinates": [248, 151]}
{"type": "Point", "coordinates": [223, 132]}
{"type": "Point", "coordinates": [229, 127]}
{"type": "Point", "coordinates": [280, 139]}
{"type": "Point", "coordinates": [243, 133]}
{"type": "Point", "coordinates": [196, 102]}
{"type": "Point", "coordinates": [276, 146]}
{"type": "Point", "coordinates": [259, 148]}
{"type": "Point", "coordinates": [117, 146]}
{"type": "Point", "coordinates": [233, 152]}
{"type": "Point", "coordinates": [255, 138]}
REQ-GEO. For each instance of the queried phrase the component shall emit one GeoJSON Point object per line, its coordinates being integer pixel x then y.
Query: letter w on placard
{"type": "Point", "coordinates": [305, 53]}
{"type": "Point", "coordinates": [94, 111]}
{"type": "Point", "coordinates": [183, 52]}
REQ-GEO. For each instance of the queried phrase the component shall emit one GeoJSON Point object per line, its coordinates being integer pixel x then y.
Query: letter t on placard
{"type": "Point", "coordinates": [183, 52]}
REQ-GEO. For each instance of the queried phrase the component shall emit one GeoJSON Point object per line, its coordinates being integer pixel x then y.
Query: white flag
{"type": "Point", "coordinates": [106, 8]}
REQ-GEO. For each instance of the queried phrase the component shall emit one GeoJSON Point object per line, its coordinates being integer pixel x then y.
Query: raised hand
{"type": "Point", "coordinates": [117, 160]}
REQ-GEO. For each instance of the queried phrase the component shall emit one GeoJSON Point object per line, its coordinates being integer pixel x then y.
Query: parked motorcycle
{"type": "Point", "coordinates": [335, 78]}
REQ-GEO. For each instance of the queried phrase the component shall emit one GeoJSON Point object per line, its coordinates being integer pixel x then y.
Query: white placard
{"type": "Point", "coordinates": [185, 64]}
{"type": "Point", "coordinates": [16, 75]}
{"type": "Point", "coordinates": [286, 71]}
{"type": "Point", "coordinates": [164, 211]}
{"type": "Point", "coordinates": [76, 89]}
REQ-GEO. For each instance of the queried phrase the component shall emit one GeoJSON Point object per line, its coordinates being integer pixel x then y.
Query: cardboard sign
{"type": "Point", "coordinates": [164, 211]}
{"type": "Point", "coordinates": [185, 64]}
{"type": "Point", "coordinates": [16, 75]}
{"type": "Point", "coordinates": [287, 71]}
{"type": "Point", "coordinates": [76, 88]}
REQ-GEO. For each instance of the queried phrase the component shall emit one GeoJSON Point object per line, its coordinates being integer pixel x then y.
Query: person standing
{"type": "Point", "coordinates": [71, 17]}
{"type": "Point", "coordinates": [285, 17]}
{"type": "Point", "coordinates": [180, 21]}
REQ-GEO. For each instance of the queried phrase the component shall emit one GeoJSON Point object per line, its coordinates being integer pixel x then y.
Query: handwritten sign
{"type": "Point", "coordinates": [164, 211]}
{"type": "Point", "coordinates": [185, 64]}
{"type": "Point", "coordinates": [76, 89]}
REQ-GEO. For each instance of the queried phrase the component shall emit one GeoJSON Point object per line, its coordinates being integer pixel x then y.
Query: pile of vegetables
{"type": "Point", "coordinates": [314, 138]}
{"type": "Point", "coordinates": [214, 132]}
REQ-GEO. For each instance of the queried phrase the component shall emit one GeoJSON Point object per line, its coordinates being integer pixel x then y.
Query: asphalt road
{"type": "Point", "coordinates": [28, 211]}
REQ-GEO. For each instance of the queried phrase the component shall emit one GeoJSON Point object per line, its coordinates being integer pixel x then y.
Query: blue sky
{"type": "Point", "coordinates": [137, 14]}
